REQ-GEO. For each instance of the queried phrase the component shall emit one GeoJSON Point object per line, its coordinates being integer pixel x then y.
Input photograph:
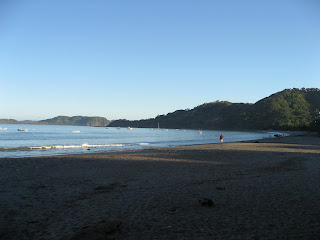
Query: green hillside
{"type": "Point", "coordinates": [77, 120]}
{"type": "Point", "coordinates": [290, 109]}
{"type": "Point", "coordinates": [8, 121]}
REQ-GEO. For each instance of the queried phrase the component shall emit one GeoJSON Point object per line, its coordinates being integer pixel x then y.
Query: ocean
{"type": "Point", "coordinates": [48, 140]}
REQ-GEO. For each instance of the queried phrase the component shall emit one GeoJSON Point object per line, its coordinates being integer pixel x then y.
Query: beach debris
{"type": "Point", "coordinates": [278, 135]}
{"type": "Point", "coordinates": [109, 226]}
{"type": "Point", "coordinates": [175, 209]}
{"type": "Point", "coordinates": [38, 187]}
{"type": "Point", "coordinates": [107, 188]}
{"type": "Point", "coordinates": [206, 202]}
{"type": "Point", "coordinates": [220, 188]}
{"type": "Point", "coordinates": [240, 229]}
{"type": "Point", "coordinates": [105, 229]}
{"type": "Point", "coordinates": [32, 222]}
{"type": "Point", "coordinates": [110, 187]}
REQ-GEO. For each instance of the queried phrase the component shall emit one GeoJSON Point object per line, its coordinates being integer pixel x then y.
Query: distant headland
{"type": "Point", "coordinates": [290, 109]}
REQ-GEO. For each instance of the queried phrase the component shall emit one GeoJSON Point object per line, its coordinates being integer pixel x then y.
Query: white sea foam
{"type": "Point", "coordinates": [85, 145]}
{"type": "Point", "coordinates": [143, 143]}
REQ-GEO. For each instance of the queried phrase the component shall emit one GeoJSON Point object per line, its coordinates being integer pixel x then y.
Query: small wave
{"type": "Point", "coordinates": [143, 144]}
{"type": "Point", "coordinates": [101, 145]}
{"type": "Point", "coordinates": [85, 145]}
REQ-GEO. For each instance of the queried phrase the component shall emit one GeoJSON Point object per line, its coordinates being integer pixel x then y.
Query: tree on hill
{"type": "Point", "coordinates": [284, 110]}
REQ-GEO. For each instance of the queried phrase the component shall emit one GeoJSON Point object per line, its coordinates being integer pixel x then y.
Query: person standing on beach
{"type": "Point", "coordinates": [221, 138]}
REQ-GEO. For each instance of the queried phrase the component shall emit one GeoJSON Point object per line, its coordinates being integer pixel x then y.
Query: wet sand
{"type": "Point", "coordinates": [266, 189]}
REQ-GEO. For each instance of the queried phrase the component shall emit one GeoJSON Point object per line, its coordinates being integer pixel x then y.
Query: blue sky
{"type": "Point", "coordinates": [139, 59]}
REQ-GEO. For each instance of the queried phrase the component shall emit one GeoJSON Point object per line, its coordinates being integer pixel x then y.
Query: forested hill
{"type": "Point", "coordinates": [64, 120]}
{"type": "Point", "coordinates": [290, 109]}
{"type": "Point", "coordinates": [8, 121]}
{"type": "Point", "coordinates": [77, 120]}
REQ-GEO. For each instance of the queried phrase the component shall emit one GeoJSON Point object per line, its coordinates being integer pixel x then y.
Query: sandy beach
{"type": "Point", "coordinates": [265, 189]}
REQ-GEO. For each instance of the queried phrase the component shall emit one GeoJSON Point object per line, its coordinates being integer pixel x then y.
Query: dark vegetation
{"type": "Point", "coordinates": [315, 126]}
{"type": "Point", "coordinates": [63, 120]}
{"type": "Point", "coordinates": [78, 121]}
{"type": "Point", "coordinates": [9, 121]}
{"type": "Point", "coordinates": [290, 109]}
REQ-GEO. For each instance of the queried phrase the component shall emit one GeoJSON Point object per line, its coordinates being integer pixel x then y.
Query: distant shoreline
{"type": "Point", "coordinates": [235, 130]}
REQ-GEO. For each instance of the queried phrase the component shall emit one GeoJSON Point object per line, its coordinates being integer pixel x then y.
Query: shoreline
{"type": "Point", "coordinates": [260, 189]}
{"type": "Point", "coordinates": [39, 148]}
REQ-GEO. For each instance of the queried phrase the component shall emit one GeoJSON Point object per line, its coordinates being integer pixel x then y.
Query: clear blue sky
{"type": "Point", "coordinates": [138, 59]}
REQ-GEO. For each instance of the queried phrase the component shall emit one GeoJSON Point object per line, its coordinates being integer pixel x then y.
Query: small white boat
{"type": "Point", "coordinates": [3, 129]}
{"type": "Point", "coordinates": [76, 131]}
{"type": "Point", "coordinates": [118, 128]}
{"type": "Point", "coordinates": [22, 130]}
{"type": "Point", "coordinates": [130, 128]}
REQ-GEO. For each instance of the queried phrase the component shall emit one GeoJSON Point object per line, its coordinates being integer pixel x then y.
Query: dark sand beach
{"type": "Point", "coordinates": [266, 189]}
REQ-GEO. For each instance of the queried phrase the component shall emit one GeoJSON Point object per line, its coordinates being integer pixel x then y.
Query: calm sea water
{"type": "Point", "coordinates": [41, 140]}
